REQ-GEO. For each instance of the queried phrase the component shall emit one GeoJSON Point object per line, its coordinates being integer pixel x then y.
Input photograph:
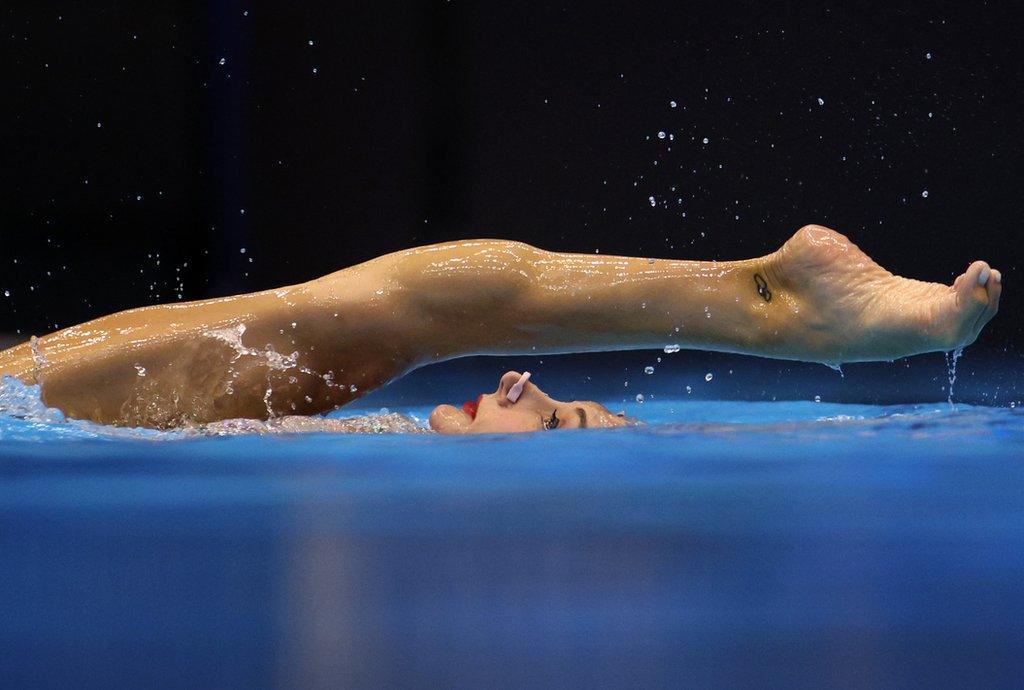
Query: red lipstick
{"type": "Point", "coordinates": [470, 407]}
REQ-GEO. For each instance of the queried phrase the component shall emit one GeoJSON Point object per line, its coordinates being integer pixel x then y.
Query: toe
{"type": "Point", "coordinates": [972, 286]}
{"type": "Point", "coordinates": [993, 290]}
{"type": "Point", "coordinates": [972, 300]}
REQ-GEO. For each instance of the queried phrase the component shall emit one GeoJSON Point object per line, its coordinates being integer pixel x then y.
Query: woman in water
{"type": "Point", "coordinates": [312, 347]}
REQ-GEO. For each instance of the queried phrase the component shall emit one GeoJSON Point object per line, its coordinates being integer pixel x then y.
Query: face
{"type": "Point", "coordinates": [532, 411]}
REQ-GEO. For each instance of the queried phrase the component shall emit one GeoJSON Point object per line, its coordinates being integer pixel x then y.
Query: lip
{"type": "Point", "coordinates": [470, 407]}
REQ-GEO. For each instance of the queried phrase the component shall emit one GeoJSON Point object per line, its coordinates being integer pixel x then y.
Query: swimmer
{"type": "Point", "coordinates": [309, 348]}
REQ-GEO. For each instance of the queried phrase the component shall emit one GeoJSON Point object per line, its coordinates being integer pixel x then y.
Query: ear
{"type": "Point", "coordinates": [446, 419]}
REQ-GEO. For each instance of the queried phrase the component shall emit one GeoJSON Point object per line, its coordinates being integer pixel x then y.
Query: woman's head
{"type": "Point", "coordinates": [533, 410]}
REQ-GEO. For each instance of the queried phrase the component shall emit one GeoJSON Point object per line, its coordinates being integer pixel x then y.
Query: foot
{"type": "Point", "coordinates": [843, 307]}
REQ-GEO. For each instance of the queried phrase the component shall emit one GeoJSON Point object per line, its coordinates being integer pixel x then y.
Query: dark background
{"type": "Point", "coordinates": [136, 167]}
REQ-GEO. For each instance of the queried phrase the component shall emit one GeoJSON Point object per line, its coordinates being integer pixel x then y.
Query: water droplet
{"type": "Point", "coordinates": [705, 140]}
{"type": "Point", "coordinates": [821, 101]}
{"type": "Point", "coordinates": [708, 376]}
{"type": "Point", "coordinates": [352, 388]}
{"type": "Point", "coordinates": [640, 397]}
{"type": "Point", "coordinates": [925, 194]}
{"type": "Point", "coordinates": [817, 398]}
{"type": "Point", "coordinates": [241, 250]}
{"type": "Point", "coordinates": [927, 56]}
{"type": "Point", "coordinates": [222, 61]}
{"type": "Point", "coordinates": [669, 349]}
{"type": "Point", "coordinates": [661, 135]}
{"type": "Point", "coordinates": [311, 42]}
{"type": "Point", "coordinates": [141, 370]}
{"type": "Point", "coordinates": [672, 104]}
{"type": "Point", "coordinates": [7, 293]}
{"type": "Point", "coordinates": [951, 359]}
{"type": "Point", "coordinates": [98, 125]}
{"type": "Point", "coordinates": [648, 369]}
{"type": "Point", "coordinates": [689, 390]}
{"type": "Point", "coordinates": [652, 200]}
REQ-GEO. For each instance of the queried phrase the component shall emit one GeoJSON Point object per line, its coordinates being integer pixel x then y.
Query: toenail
{"type": "Point", "coordinates": [999, 276]}
{"type": "Point", "coordinates": [983, 276]}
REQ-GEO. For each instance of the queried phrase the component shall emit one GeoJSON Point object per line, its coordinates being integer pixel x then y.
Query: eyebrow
{"type": "Point", "coordinates": [583, 417]}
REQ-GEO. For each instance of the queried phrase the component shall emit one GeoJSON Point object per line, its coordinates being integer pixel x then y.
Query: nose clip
{"type": "Point", "coordinates": [517, 388]}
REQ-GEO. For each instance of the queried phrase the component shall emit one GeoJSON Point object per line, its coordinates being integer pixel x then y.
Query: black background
{"type": "Point", "coordinates": [129, 152]}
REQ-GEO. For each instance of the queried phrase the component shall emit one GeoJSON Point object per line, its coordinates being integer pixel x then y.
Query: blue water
{"type": "Point", "coordinates": [725, 544]}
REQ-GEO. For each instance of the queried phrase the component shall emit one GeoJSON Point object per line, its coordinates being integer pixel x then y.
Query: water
{"type": "Point", "coordinates": [724, 544]}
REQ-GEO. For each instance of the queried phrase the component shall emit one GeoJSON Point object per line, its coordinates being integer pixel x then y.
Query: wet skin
{"type": "Point", "coordinates": [309, 348]}
{"type": "Point", "coordinates": [534, 410]}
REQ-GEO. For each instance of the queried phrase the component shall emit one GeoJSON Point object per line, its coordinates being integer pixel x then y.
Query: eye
{"type": "Point", "coordinates": [552, 421]}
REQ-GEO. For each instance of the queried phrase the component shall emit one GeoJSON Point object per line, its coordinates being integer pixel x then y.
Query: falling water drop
{"type": "Point", "coordinates": [836, 367]}
{"type": "Point", "coordinates": [951, 359]}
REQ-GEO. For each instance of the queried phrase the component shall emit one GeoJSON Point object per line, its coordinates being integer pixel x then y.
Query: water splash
{"type": "Point", "coordinates": [232, 336]}
{"type": "Point", "coordinates": [836, 367]}
{"type": "Point", "coordinates": [951, 360]}
{"type": "Point", "coordinates": [38, 358]}
{"type": "Point", "coordinates": [23, 401]}
{"type": "Point", "coordinates": [25, 417]}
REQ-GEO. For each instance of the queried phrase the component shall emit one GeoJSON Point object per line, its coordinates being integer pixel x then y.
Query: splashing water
{"type": "Point", "coordinates": [38, 358]}
{"type": "Point", "coordinates": [232, 336]}
{"type": "Point", "coordinates": [836, 367]}
{"type": "Point", "coordinates": [23, 401]}
{"type": "Point", "coordinates": [951, 359]}
{"type": "Point", "coordinates": [24, 416]}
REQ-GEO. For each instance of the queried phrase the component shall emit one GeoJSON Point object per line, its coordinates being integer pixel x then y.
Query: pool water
{"type": "Point", "coordinates": [724, 544]}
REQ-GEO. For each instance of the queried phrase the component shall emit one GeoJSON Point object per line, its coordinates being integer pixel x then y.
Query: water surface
{"type": "Point", "coordinates": [724, 544]}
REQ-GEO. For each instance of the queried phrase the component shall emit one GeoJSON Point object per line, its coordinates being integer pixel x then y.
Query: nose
{"type": "Point", "coordinates": [507, 380]}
